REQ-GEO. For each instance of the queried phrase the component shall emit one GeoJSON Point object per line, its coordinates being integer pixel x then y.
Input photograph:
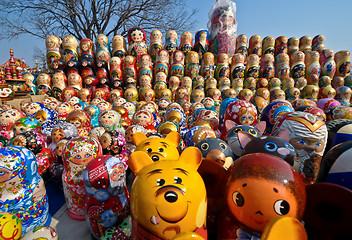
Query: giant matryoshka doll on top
{"type": "Point", "coordinates": [76, 155]}
{"type": "Point", "coordinates": [136, 42]}
{"type": "Point", "coordinates": [22, 190]}
{"type": "Point", "coordinates": [222, 26]}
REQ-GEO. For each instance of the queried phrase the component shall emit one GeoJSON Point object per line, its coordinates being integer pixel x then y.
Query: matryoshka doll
{"type": "Point", "coordinates": [147, 94]}
{"type": "Point", "coordinates": [129, 67]}
{"type": "Point", "coordinates": [62, 130]}
{"type": "Point", "coordinates": [207, 67]}
{"type": "Point", "coordinates": [107, 199]}
{"type": "Point", "coordinates": [268, 45]}
{"type": "Point", "coordinates": [76, 155]}
{"type": "Point", "coordinates": [292, 94]}
{"type": "Point", "coordinates": [7, 120]}
{"type": "Point", "coordinates": [343, 95]}
{"type": "Point", "coordinates": [312, 68]}
{"type": "Point", "coordinates": [222, 66]}
{"type": "Point", "coordinates": [114, 143]}
{"type": "Point", "coordinates": [178, 66]}
{"type": "Point", "coordinates": [197, 95]}
{"type": "Point", "coordinates": [104, 105]}
{"type": "Point", "coordinates": [284, 194]}
{"type": "Point", "coordinates": [298, 66]}
{"type": "Point", "coordinates": [181, 94]}
{"type": "Point", "coordinates": [246, 94]}
{"type": "Point", "coordinates": [81, 120]}
{"type": "Point", "coordinates": [102, 69]}
{"type": "Point", "coordinates": [119, 47]}
{"type": "Point", "coordinates": [255, 45]}
{"type": "Point", "coordinates": [85, 95]}
{"type": "Point", "coordinates": [241, 45]}
{"type": "Point", "coordinates": [52, 49]}
{"type": "Point", "coordinates": [68, 93]}
{"type": "Point", "coordinates": [115, 69]}
{"type": "Point", "coordinates": [110, 120]}
{"type": "Point", "coordinates": [145, 66]}
{"type": "Point", "coordinates": [31, 108]}
{"type": "Point", "coordinates": [327, 92]}
{"type": "Point", "coordinates": [282, 66]}
{"type": "Point", "coordinates": [201, 43]}
{"type": "Point", "coordinates": [86, 48]}
{"type": "Point", "coordinates": [29, 78]}
{"type": "Point", "coordinates": [224, 84]}
{"type": "Point", "coordinates": [145, 119]}
{"type": "Point", "coordinates": [292, 45]}
{"type": "Point", "coordinates": [327, 63]}
{"type": "Point", "coordinates": [28, 124]}
{"type": "Point", "coordinates": [267, 68]}
{"type": "Point", "coordinates": [136, 42]}
{"type": "Point", "coordinates": [280, 45]}
{"type": "Point", "coordinates": [343, 63]}
{"type": "Point", "coordinates": [252, 68]}
{"type": "Point", "coordinates": [155, 44]}
{"type": "Point", "coordinates": [237, 66]}
{"type": "Point", "coordinates": [59, 81]}
{"type": "Point", "coordinates": [171, 41]}
{"type": "Point", "coordinates": [69, 47]}
{"type": "Point", "coordinates": [318, 43]}
{"type": "Point", "coordinates": [192, 67]}
{"type": "Point", "coordinates": [44, 84]}
{"type": "Point", "coordinates": [305, 44]}
{"type": "Point", "coordinates": [264, 93]}
{"type": "Point", "coordinates": [186, 44]}
{"type": "Point", "coordinates": [102, 51]}
{"type": "Point", "coordinates": [94, 113]}
{"type": "Point", "coordinates": [48, 118]}
{"type": "Point", "coordinates": [162, 62]}
{"type": "Point", "coordinates": [75, 81]}
{"type": "Point", "coordinates": [63, 109]}
{"type": "Point", "coordinates": [59, 65]}
{"type": "Point", "coordinates": [22, 189]}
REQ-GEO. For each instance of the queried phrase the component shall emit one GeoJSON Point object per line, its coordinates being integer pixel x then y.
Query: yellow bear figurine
{"type": "Point", "coordinates": [168, 197]}
{"type": "Point", "coordinates": [158, 148]}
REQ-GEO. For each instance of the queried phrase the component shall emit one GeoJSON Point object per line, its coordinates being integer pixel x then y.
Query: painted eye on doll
{"type": "Point", "coordinates": [318, 144]}
{"type": "Point", "coordinates": [281, 207]}
{"type": "Point", "coordinates": [2, 173]}
{"type": "Point", "coordinates": [177, 180]}
{"type": "Point", "coordinates": [160, 182]}
{"type": "Point", "coordinates": [87, 155]}
{"type": "Point", "coordinates": [238, 199]}
{"type": "Point", "coordinates": [161, 150]}
{"type": "Point", "coordinates": [270, 146]}
{"type": "Point", "coordinates": [149, 150]}
{"type": "Point", "coordinates": [302, 142]}
{"type": "Point", "coordinates": [78, 157]}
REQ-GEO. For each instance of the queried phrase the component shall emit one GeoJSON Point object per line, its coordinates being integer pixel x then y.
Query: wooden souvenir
{"type": "Point", "coordinates": [73, 66]}
{"type": "Point", "coordinates": [102, 45]}
{"type": "Point", "coordinates": [75, 81]}
{"type": "Point", "coordinates": [252, 68]}
{"type": "Point", "coordinates": [313, 68]}
{"type": "Point", "coordinates": [177, 68]}
{"type": "Point", "coordinates": [44, 84]}
{"type": "Point", "coordinates": [222, 67]}
{"type": "Point", "coordinates": [58, 65]}
{"type": "Point", "coordinates": [327, 63]}
{"type": "Point", "coordinates": [343, 95]}
{"type": "Point", "coordinates": [268, 45]}
{"type": "Point", "coordinates": [207, 67]}
{"type": "Point", "coordinates": [298, 66]}
{"type": "Point", "coordinates": [155, 44]}
{"type": "Point", "coordinates": [305, 44]}
{"type": "Point", "coordinates": [267, 68]}
{"type": "Point", "coordinates": [41, 232]}
{"type": "Point", "coordinates": [81, 120]}
{"type": "Point", "coordinates": [197, 95]}
{"type": "Point", "coordinates": [136, 42]}
{"type": "Point", "coordinates": [292, 94]}
{"type": "Point", "coordinates": [29, 78]}
{"type": "Point", "coordinates": [281, 45]}
{"type": "Point", "coordinates": [246, 94]}
{"type": "Point", "coordinates": [91, 83]}
{"type": "Point", "coordinates": [87, 66]}
{"type": "Point", "coordinates": [171, 41]}
{"type": "Point", "coordinates": [318, 43]}
{"type": "Point", "coordinates": [70, 48]}
{"type": "Point", "coordinates": [53, 44]}
{"type": "Point", "coordinates": [237, 66]}
{"type": "Point", "coordinates": [255, 45]}
{"type": "Point", "coordinates": [86, 48]}
{"type": "Point", "coordinates": [262, 83]}
{"type": "Point", "coordinates": [192, 67]}
{"type": "Point", "coordinates": [145, 119]}
{"type": "Point", "coordinates": [147, 94]}
{"type": "Point", "coordinates": [210, 83]}
{"type": "Point", "coordinates": [201, 43]}
{"type": "Point", "coordinates": [6, 92]}
{"type": "Point", "coordinates": [310, 92]}
{"type": "Point", "coordinates": [241, 45]}
{"type": "Point", "coordinates": [162, 62]}
{"type": "Point", "coordinates": [327, 92]}
{"type": "Point", "coordinates": [343, 63]}
{"type": "Point", "coordinates": [237, 84]}
{"type": "Point", "coordinates": [59, 81]}
{"type": "Point", "coordinates": [224, 84]}
{"type": "Point", "coordinates": [292, 45]}
{"type": "Point", "coordinates": [282, 66]}
{"type": "Point", "coordinates": [115, 68]}
{"type": "Point", "coordinates": [186, 44]}
{"type": "Point", "coordinates": [264, 93]}
{"type": "Point", "coordinates": [119, 47]}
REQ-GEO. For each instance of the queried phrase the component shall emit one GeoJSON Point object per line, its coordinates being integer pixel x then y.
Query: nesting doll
{"type": "Point", "coordinates": [305, 44]}
{"type": "Point", "coordinates": [129, 67]}
{"type": "Point", "coordinates": [255, 45]}
{"type": "Point", "coordinates": [25, 124]}
{"type": "Point", "coordinates": [282, 66]}
{"type": "Point", "coordinates": [192, 67]}
{"type": "Point", "coordinates": [224, 84]}
{"type": "Point", "coordinates": [59, 81]}
{"type": "Point", "coordinates": [81, 120]}
{"type": "Point", "coordinates": [59, 65]}
{"type": "Point", "coordinates": [237, 66]}
{"type": "Point", "coordinates": [292, 45]}
{"type": "Point", "coordinates": [52, 49]}
{"type": "Point", "coordinates": [201, 43]}
{"type": "Point", "coordinates": [75, 81]}
{"type": "Point", "coordinates": [86, 48]}
{"type": "Point", "coordinates": [162, 62]}
{"type": "Point", "coordinates": [70, 48]}
{"type": "Point", "coordinates": [318, 43]}
{"type": "Point", "coordinates": [23, 192]}
{"type": "Point", "coordinates": [107, 199]}
{"type": "Point", "coordinates": [280, 45]}
{"type": "Point", "coordinates": [178, 67]}
{"type": "Point", "coordinates": [44, 84]}
{"type": "Point", "coordinates": [327, 92]}
{"type": "Point", "coordinates": [171, 41]}
{"type": "Point", "coordinates": [60, 131]}
{"type": "Point", "coordinates": [327, 63]}
{"type": "Point", "coordinates": [102, 69]}
{"type": "Point", "coordinates": [76, 155]}
{"type": "Point", "coordinates": [48, 118]}
{"type": "Point", "coordinates": [29, 78]}
{"type": "Point", "coordinates": [155, 43]}
{"type": "Point", "coordinates": [102, 50]}
{"type": "Point", "coordinates": [186, 44]}
{"type": "Point", "coordinates": [343, 63]}
{"type": "Point", "coordinates": [145, 119]}
{"type": "Point", "coordinates": [308, 136]}
{"type": "Point", "coordinates": [207, 66]}
{"type": "Point", "coordinates": [110, 120]}
{"type": "Point", "coordinates": [241, 45]}
{"type": "Point", "coordinates": [197, 95]}
{"type": "Point", "coordinates": [63, 109]}
{"type": "Point", "coordinates": [136, 42]}
{"type": "Point", "coordinates": [343, 95]}
{"type": "Point", "coordinates": [147, 94]}
{"type": "Point", "coordinates": [115, 68]}
{"type": "Point", "coordinates": [114, 143]}
{"type": "Point", "coordinates": [237, 84]}
{"type": "Point", "coordinates": [252, 69]}
{"type": "Point", "coordinates": [267, 68]}
{"type": "Point", "coordinates": [222, 67]}
{"type": "Point", "coordinates": [292, 94]}
{"type": "Point", "coordinates": [119, 47]}
{"type": "Point", "coordinates": [298, 66]}
{"type": "Point", "coordinates": [246, 94]}
{"type": "Point", "coordinates": [7, 120]}
{"type": "Point", "coordinates": [268, 45]}
{"type": "Point", "coordinates": [313, 68]}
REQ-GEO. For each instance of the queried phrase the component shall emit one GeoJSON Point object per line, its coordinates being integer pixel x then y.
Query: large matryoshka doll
{"type": "Point", "coordinates": [75, 81]}
{"type": "Point", "coordinates": [86, 48]}
{"type": "Point", "coordinates": [44, 84]}
{"type": "Point", "coordinates": [308, 135]}
{"type": "Point", "coordinates": [305, 44]}
{"type": "Point", "coordinates": [327, 63]}
{"type": "Point", "coordinates": [281, 45]}
{"type": "Point", "coordinates": [31, 108]}
{"type": "Point", "coordinates": [62, 130]}
{"type": "Point", "coordinates": [186, 44]}
{"type": "Point", "coordinates": [52, 49]}
{"type": "Point", "coordinates": [76, 155]}
{"type": "Point", "coordinates": [22, 189]}
{"type": "Point", "coordinates": [171, 41]}
{"type": "Point", "coordinates": [298, 66]}
{"type": "Point", "coordinates": [136, 42]}
{"type": "Point", "coordinates": [70, 48]}
{"type": "Point", "coordinates": [267, 68]}
{"type": "Point", "coordinates": [155, 44]}
{"type": "Point", "coordinates": [222, 26]}
{"type": "Point", "coordinates": [268, 45]}
{"type": "Point", "coordinates": [81, 120]}
{"type": "Point", "coordinates": [282, 66]}
{"type": "Point", "coordinates": [237, 67]}
{"type": "Point", "coordinates": [102, 51]}
{"type": "Point", "coordinates": [107, 199]}
{"type": "Point", "coordinates": [7, 120]}
{"type": "Point", "coordinates": [119, 48]}
{"type": "Point", "coordinates": [48, 118]}
{"type": "Point", "coordinates": [59, 84]}
{"type": "Point", "coordinates": [292, 45]}
{"type": "Point", "coordinates": [201, 43]}
{"type": "Point", "coordinates": [255, 45]}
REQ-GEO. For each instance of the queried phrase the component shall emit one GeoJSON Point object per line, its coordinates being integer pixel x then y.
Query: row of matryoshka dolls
{"type": "Point", "coordinates": [79, 151]}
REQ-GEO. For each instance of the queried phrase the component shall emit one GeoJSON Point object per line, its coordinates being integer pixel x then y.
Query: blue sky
{"type": "Point", "coordinates": [294, 18]}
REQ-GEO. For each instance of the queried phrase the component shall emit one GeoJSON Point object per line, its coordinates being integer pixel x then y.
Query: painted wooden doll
{"type": "Point", "coordinates": [145, 66]}
{"type": "Point", "coordinates": [318, 43]}
{"type": "Point", "coordinates": [305, 44]}
{"type": "Point", "coordinates": [267, 68]}
{"type": "Point", "coordinates": [282, 66]}
{"type": "Point", "coordinates": [31, 108]}
{"type": "Point", "coordinates": [69, 46]}
{"type": "Point", "coordinates": [292, 45]}
{"type": "Point", "coordinates": [298, 66]}
{"type": "Point", "coordinates": [81, 120]}
{"type": "Point", "coordinates": [75, 81]}
{"type": "Point", "coordinates": [59, 65]}
{"type": "Point", "coordinates": [222, 67]}
{"type": "Point", "coordinates": [207, 67]}
{"type": "Point", "coordinates": [86, 48]}
{"type": "Point", "coordinates": [252, 69]}
{"type": "Point", "coordinates": [114, 143]}
{"type": "Point", "coordinates": [52, 49]}
{"type": "Point", "coordinates": [62, 130]}
{"type": "Point", "coordinates": [48, 118]}
{"type": "Point", "coordinates": [186, 44]}
{"type": "Point", "coordinates": [201, 43]}
{"type": "Point", "coordinates": [155, 43]}
{"type": "Point", "coordinates": [313, 68]}
{"type": "Point", "coordinates": [91, 83]}
{"type": "Point", "coordinates": [281, 45]}
{"type": "Point", "coordinates": [343, 95]}
{"type": "Point", "coordinates": [268, 45]}
{"type": "Point", "coordinates": [242, 45]}
{"type": "Point", "coordinates": [29, 78]}
{"type": "Point", "coordinates": [237, 66]}
{"type": "Point", "coordinates": [22, 189]}
{"type": "Point", "coordinates": [145, 119]}
{"type": "Point", "coordinates": [87, 67]}
{"type": "Point", "coordinates": [171, 41]}
{"type": "Point", "coordinates": [136, 42]}
{"type": "Point", "coordinates": [115, 69]}
{"type": "Point", "coordinates": [255, 45]}
{"type": "Point", "coordinates": [343, 63]}
{"type": "Point", "coordinates": [178, 67]}
{"type": "Point", "coordinates": [119, 47]}
{"type": "Point", "coordinates": [162, 62]}
{"type": "Point", "coordinates": [44, 84]}
{"type": "Point", "coordinates": [129, 67]}
{"type": "Point", "coordinates": [327, 63]}
{"type": "Point", "coordinates": [59, 81]}
{"type": "Point", "coordinates": [192, 68]}
{"type": "Point", "coordinates": [110, 120]}
{"type": "Point", "coordinates": [102, 48]}
{"type": "Point", "coordinates": [63, 109]}
{"type": "Point", "coordinates": [107, 201]}
{"type": "Point", "coordinates": [76, 155]}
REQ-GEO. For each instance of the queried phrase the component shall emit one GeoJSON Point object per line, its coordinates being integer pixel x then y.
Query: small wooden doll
{"type": "Point", "coordinates": [207, 66]}
{"type": "Point", "coordinates": [274, 83]}
{"type": "Point", "coordinates": [160, 77]}
{"type": "Point", "coordinates": [310, 92]}
{"type": "Point", "coordinates": [327, 63]}
{"type": "Point", "coordinates": [129, 67]}
{"type": "Point", "coordinates": [74, 80]}
{"type": "Point", "coordinates": [313, 68]}
{"type": "Point", "coordinates": [59, 84]}
{"type": "Point", "coordinates": [131, 95]}
{"type": "Point", "coordinates": [282, 66]}
{"type": "Point", "coordinates": [192, 68]}
{"type": "Point", "coordinates": [252, 69]}
{"type": "Point", "coordinates": [211, 83]}
{"type": "Point", "coordinates": [186, 44]}
{"type": "Point", "coordinates": [44, 84]}
{"type": "Point", "coordinates": [264, 93]}
{"type": "Point", "coordinates": [255, 45]}
{"type": "Point", "coordinates": [178, 67]}
{"type": "Point", "coordinates": [102, 48]}
{"type": "Point", "coordinates": [59, 65]}
{"type": "Point", "coordinates": [343, 63]}
{"type": "Point", "coordinates": [145, 81]}
{"type": "Point", "coordinates": [222, 67]}
{"type": "Point", "coordinates": [72, 66]}
{"type": "Point", "coordinates": [69, 45]}
{"type": "Point", "coordinates": [237, 66]}
{"type": "Point", "coordinates": [292, 45]}
{"type": "Point", "coordinates": [268, 45]}
{"type": "Point", "coordinates": [250, 83]}
{"type": "Point", "coordinates": [241, 45]}
{"type": "Point", "coordinates": [267, 69]}
{"type": "Point", "coordinates": [63, 109]}
{"type": "Point", "coordinates": [187, 83]}
{"type": "Point", "coordinates": [281, 45]}
{"type": "Point", "coordinates": [287, 83]}
{"type": "Point", "coordinates": [343, 95]}
{"type": "Point", "coordinates": [198, 83]}
{"type": "Point", "coordinates": [147, 94]}
{"type": "Point", "coordinates": [201, 45]}
{"type": "Point", "coordinates": [298, 67]}
{"type": "Point", "coordinates": [162, 62]}
{"type": "Point", "coordinates": [86, 48]}
{"type": "Point", "coordinates": [87, 67]}
{"type": "Point", "coordinates": [115, 68]}
{"type": "Point", "coordinates": [91, 82]}
{"type": "Point", "coordinates": [292, 94]}
{"type": "Point", "coordinates": [102, 69]}
{"type": "Point", "coordinates": [318, 43]}
{"type": "Point", "coordinates": [171, 41]}
{"type": "Point", "coordinates": [224, 83]}
{"type": "Point", "coordinates": [119, 47]}
{"type": "Point", "coordinates": [145, 119]}
{"type": "Point", "coordinates": [29, 78]}
{"type": "Point", "coordinates": [155, 44]}
{"type": "Point", "coordinates": [174, 83]}
{"type": "Point", "coordinates": [305, 44]}
{"type": "Point", "coordinates": [262, 83]}
{"type": "Point", "coordinates": [136, 42]}
{"type": "Point", "coordinates": [52, 49]}
{"type": "Point", "coordinates": [181, 94]}
{"type": "Point", "coordinates": [237, 84]}
{"type": "Point", "coordinates": [81, 120]}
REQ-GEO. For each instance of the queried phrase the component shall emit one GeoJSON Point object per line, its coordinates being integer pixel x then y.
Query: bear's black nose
{"type": "Point", "coordinates": [171, 196]}
{"type": "Point", "coordinates": [155, 158]}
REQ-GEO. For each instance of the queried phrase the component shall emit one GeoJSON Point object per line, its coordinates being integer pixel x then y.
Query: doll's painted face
{"type": "Point", "coordinates": [172, 34]}
{"type": "Point", "coordinates": [19, 141]}
{"type": "Point", "coordinates": [103, 106]}
{"type": "Point", "coordinates": [208, 103]}
{"type": "Point", "coordinates": [117, 172]}
{"type": "Point", "coordinates": [246, 118]}
{"type": "Point", "coordinates": [156, 35]}
{"type": "Point", "coordinates": [163, 103]}
{"type": "Point", "coordinates": [50, 42]}
{"type": "Point", "coordinates": [78, 106]}
{"type": "Point", "coordinates": [102, 40]}
{"type": "Point", "coordinates": [60, 145]}
{"type": "Point", "coordinates": [146, 61]}
{"type": "Point", "coordinates": [227, 18]}
{"type": "Point", "coordinates": [73, 100]}
{"type": "Point", "coordinates": [76, 122]}
{"type": "Point", "coordinates": [143, 119]}
{"type": "Point", "coordinates": [95, 101]}
{"type": "Point", "coordinates": [120, 101]}
{"type": "Point", "coordinates": [149, 96]}
{"type": "Point", "coordinates": [163, 55]}
{"type": "Point", "coordinates": [137, 35]}
{"type": "Point", "coordinates": [202, 36]}
{"type": "Point", "coordinates": [182, 93]}
{"type": "Point", "coordinates": [84, 46]}
{"type": "Point", "coordinates": [178, 56]}
{"type": "Point", "coordinates": [17, 129]}
{"type": "Point", "coordinates": [107, 119]}
{"type": "Point", "coordinates": [160, 77]}
{"type": "Point", "coordinates": [105, 140]}
{"type": "Point", "coordinates": [145, 80]}
{"type": "Point", "coordinates": [63, 108]}
{"type": "Point", "coordinates": [193, 58]}
{"type": "Point", "coordinates": [129, 107]}
{"type": "Point", "coordinates": [30, 109]}
{"type": "Point", "coordinates": [118, 41]}
{"type": "Point", "coordinates": [81, 158]}
{"type": "Point", "coordinates": [57, 134]}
